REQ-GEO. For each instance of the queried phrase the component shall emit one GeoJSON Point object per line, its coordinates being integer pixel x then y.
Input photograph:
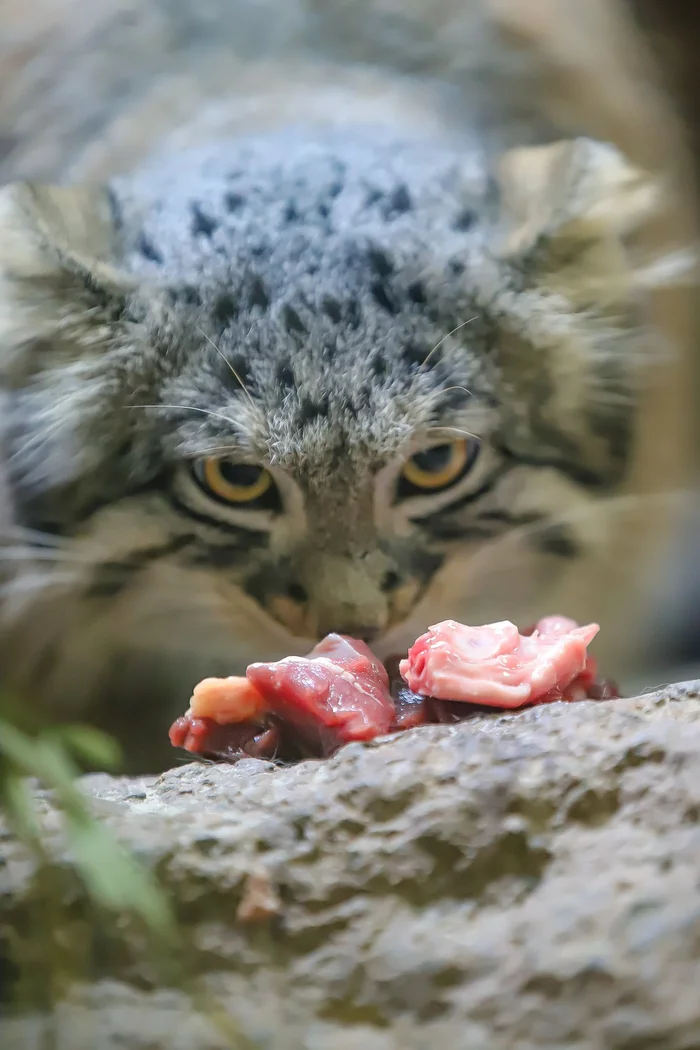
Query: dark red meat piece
{"type": "Point", "coordinates": [411, 710]}
{"type": "Point", "coordinates": [339, 693]}
{"type": "Point", "coordinates": [204, 736]}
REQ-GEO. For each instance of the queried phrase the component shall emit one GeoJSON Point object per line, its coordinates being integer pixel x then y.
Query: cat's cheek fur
{"type": "Point", "coordinates": [165, 630]}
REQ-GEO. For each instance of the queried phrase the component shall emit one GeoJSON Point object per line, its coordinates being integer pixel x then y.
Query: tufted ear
{"type": "Point", "coordinates": [59, 284]}
{"type": "Point", "coordinates": [571, 213]}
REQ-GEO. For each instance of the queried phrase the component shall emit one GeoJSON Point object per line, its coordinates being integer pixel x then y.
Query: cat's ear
{"type": "Point", "coordinates": [59, 278]}
{"type": "Point", "coordinates": [572, 213]}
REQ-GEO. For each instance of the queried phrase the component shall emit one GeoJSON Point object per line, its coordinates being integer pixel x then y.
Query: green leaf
{"type": "Point", "coordinates": [115, 878]}
{"type": "Point", "coordinates": [17, 747]}
{"type": "Point", "coordinates": [20, 806]}
{"type": "Point", "coordinates": [90, 745]}
{"type": "Point", "coordinates": [112, 876]}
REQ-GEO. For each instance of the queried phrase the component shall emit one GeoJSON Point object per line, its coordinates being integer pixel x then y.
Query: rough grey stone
{"type": "Point", "coordinates": [517, 882]}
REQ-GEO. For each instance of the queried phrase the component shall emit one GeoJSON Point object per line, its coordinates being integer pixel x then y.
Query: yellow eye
{"type": "Point", "coordinates": [437, 467]}
{"type": "Point", "coordinates": [229, 482]}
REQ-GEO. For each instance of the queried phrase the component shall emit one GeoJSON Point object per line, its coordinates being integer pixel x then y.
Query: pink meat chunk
{"type": "Point", "coordinates": [338, 693]}
{"type": "Point", "coordinates": [495, 665]}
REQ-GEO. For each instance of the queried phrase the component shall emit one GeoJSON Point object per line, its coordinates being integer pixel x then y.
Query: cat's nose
{"type": "Point", "coordinates": [364, 634]}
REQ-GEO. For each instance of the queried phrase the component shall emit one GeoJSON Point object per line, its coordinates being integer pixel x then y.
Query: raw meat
{"type": "Point", "coordinates": [495, 665]}
{"type": "Point", "coordinates": [227, 700]}
{"type": "Point", "coordinates": [295, 707]}
{"type": "Point", "coordinates": [339, 692]}
{"type": "Point", "coordinates": [310, 706]}
{"type": "Point", "coordinates": [204, 736]}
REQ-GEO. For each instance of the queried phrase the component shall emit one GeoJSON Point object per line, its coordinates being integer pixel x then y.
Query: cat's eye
{"type": "Point", "coordinates": [438, 467]}
{"type": "Point", "coordinates": [243, 484]}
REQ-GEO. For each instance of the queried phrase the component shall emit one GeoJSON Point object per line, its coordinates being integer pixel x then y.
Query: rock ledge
{"type": "Point", "coordinates": [516, 882]}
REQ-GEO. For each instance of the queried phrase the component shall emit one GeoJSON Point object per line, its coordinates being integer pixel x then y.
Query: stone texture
{"type": "Point", "coordinates": [517, 882]}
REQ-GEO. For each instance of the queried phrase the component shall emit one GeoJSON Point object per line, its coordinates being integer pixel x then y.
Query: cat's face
{"type": "Point", "coordinates": [290, 387]}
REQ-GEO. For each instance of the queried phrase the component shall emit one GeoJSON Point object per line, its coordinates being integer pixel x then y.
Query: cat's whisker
{"type": "Point", "coordinates": [446, 390]}
{"type": "Point", "coordinates": [456, 430]}
{"type": "Point", "coordinates": [192, 408]}
{"type": "Point", "coordinates": [43, 554]}
{"type": "Point", "coordinates": [228, 365]}
{"type": "Point", "coordinates": [29, 584]}
{"type": "Point", "coordinates": [34, 536]}
{"type": "Point", "coordinates": [446, 336]}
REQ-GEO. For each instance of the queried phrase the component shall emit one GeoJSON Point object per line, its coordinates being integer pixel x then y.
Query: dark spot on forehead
{"type": "Point", "coordinates": [335, 189]}
{"type": "Point", "coordinates": [311, 409]}
{"type": "Point", "coordinates": [292, 321]}
{"type": "Point", "coordinates": [258, 294]}
{"type": "Point", "coordinates": [186, 294]}
{"type": "Point", "coordinates": [233, 202]}
{"type": "Point", "coordinates": [374, 195]}
{"type": "Point", "coordinates": [384, 297]}
{"type": "Point", "coordinates": [354, 313]}
{"type": "Point", "coordinates": [378, 366]}
{"type": "Point", "coordinates": [285, 375]}
{"type": "Point", "coordinates": [324, 211]}
{"type": "Point", "coordinates": [238, 375]}
{"type": "Point", "coordinates": [416, 293]}
{"type": "Point", "coordinates": [414, 355]}
{"type": "Point", "coordinates": [202, 224]}
{"type": "Point", "coordinates": [331, 307]}
{"type": "Point", "coordinates": [363, 395]}
{"type": "Point", "coordinates": [380, 262]}
{"type": "Point", "coordinates": [456, 266]}
{"type": "Point", "coordinates": [290, 213]}
{"type": "Point", "coordinates": [398, 203]}
{"type": "Point", "coordinates": [225, 309]}
{"type": "Point", "coordinates": [149, 250]}
{"type": "Point", "coordinates": [464, 220]}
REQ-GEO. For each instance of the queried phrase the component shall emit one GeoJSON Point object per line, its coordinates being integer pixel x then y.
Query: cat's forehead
{"type": "Point", "coordinates": [315, 395]}
{"type": "Point", "coordinates": [240, 197]}
{"type": "Point", "coordinates": [307, 272]}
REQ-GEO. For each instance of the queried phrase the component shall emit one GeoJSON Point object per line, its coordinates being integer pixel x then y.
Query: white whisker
{"type": "Point", "coordinates": [43, 554]}
{"type": "Point", "coordinates": [457, 430]}
{"type": "Point", "coordinates": [26, 584]}
{"type": "Point", "coordinates": [192, 408]}
{"type": "Point", "coordinates": [447, 336]}
{"type": "Point", "coordinates": [446, 390]}
{"type": "Point", "coordinates": [228, 364]}
{"type": "Point", "coordinates": [34, 536]}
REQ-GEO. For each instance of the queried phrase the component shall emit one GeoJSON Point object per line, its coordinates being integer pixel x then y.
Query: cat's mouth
{"type": "Point", "coordinates": [371, 615]}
